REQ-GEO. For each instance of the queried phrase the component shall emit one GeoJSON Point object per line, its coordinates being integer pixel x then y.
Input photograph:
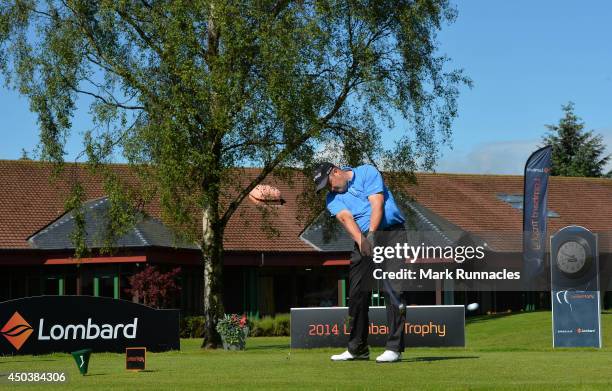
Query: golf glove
{"type": "Point", "coordinates": [367, 244]}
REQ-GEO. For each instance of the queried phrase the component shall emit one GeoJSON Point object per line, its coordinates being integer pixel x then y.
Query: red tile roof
{"type": "Point", "coordinates": [29, 201]}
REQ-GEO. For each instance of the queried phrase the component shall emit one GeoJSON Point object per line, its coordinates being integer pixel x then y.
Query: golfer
{"type": "Point", "coordinates": [367, 210]}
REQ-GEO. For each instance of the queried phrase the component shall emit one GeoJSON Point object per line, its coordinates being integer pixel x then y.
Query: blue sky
{"type": "Point", "coordinates": [526, 59]}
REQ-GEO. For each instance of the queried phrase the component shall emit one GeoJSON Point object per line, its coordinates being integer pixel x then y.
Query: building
{"type": "Point", "coordinates": [263, 273]}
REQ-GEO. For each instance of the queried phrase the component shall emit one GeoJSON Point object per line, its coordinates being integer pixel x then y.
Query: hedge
{"type": "Point", "coordinates": [191, 327]}
{"type": "Point", "coordinates": [268, 326]}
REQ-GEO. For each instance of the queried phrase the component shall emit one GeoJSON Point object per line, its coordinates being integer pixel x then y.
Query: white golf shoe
{"type": "Point", "coordinates": [389, 356]}
{"type": "Point", "coordinates": [347, 356]}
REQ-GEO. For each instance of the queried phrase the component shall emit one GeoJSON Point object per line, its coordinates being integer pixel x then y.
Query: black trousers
{"type": "Point", "coordinates": [360, 287]}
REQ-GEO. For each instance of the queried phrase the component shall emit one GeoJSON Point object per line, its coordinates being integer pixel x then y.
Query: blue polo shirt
{"type": "Point", "coordinates": [365, 182]}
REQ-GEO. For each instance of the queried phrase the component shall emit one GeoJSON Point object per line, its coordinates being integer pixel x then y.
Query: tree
{"type": "Point", "coordinates": [187, 92]}
{"type": "Point", "coordinates": [24, 155]}
{"type": "Point", "coordinates": [574, 151]}
{"type": "Point", "coordinates": [155, 289]}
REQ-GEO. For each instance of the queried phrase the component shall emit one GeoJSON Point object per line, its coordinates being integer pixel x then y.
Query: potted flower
{"type": "Point", "coordinates": [233, 330]}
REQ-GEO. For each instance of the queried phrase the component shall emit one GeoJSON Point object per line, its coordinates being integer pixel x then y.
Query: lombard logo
{"type": "Point", "coordinates": [17, 330]}
{"type": "Point", "coordinates": [581, 330]}
{"type": "Point", "coordinates": [87, 331]}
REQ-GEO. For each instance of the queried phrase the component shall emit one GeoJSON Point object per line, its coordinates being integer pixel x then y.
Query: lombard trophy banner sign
{"type": "Point", "coordinates": [436, 325]}
{"type": "Point", "coordinates": [576, 301]}
{"type": "Point", "coordinates": [45, 324]}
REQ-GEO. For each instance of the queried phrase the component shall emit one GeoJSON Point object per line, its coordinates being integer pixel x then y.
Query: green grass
{"type": "Point", "coordinates": [504, 352]}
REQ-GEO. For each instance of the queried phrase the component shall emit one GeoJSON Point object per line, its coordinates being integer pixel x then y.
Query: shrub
{"type": "Point", "coordinates": [153, 287]}
{"type": "Point", "coordinates": [192, 327]}
{"type": "Point", "coordinates": [268, 326]}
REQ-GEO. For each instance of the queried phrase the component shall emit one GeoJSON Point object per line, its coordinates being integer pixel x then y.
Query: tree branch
{"type": "Point", "coordinates": [279, 6]}
{"type": "Point", "coordinates": [251, 142]}
{"type": "Point", "coordinates": [146, 39]}
{"type": "Point", "coordinates": [116, 68]}
{"type": "Point", "coordinates": [118, 140]}
{"type": "Point", "coordinates": [106, 102]}
{"type": "Point", "coordinates": [291, 147]}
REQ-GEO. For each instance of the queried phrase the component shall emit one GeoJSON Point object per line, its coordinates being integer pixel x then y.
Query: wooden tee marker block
{"type": "Point", "coordinates": [135, 359]}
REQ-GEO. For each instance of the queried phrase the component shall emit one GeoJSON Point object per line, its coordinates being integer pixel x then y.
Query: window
{"type": "Point", "coordinates": [516, 201]}
{"type": "Point", "coordinates": [51, 286]}
{"type": "Point", "coordinates": [106, 286]}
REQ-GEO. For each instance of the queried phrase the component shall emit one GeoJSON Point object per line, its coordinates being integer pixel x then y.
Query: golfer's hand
{"type": "Point", "coordinates": [371, 237]}
{"type": "Point", "coordinates": [365, 247]}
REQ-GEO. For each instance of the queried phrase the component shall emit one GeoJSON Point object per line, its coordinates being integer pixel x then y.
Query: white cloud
{"type": "Point", "coordinates": [501, 157]}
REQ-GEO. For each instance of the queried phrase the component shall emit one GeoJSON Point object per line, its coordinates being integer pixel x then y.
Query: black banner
{"type": "Point", "coordinates": [317, 327]}
{"type": "Point", "coordinates": [535, 212]}
{"type": "Point", "coordinates": [45, 324]}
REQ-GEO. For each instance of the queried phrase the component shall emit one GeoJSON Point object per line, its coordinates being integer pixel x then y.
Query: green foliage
{"type": "Point", "coordinates": [268, 326]}
{"type": "Point", "coordinates": [122, 214]}
{"type": "Point", "coordinates": [192, 327]}
{"type": "Point", "coordinates": [74, 203]}
{"type": "Point", "coordinates": [575, 152]}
